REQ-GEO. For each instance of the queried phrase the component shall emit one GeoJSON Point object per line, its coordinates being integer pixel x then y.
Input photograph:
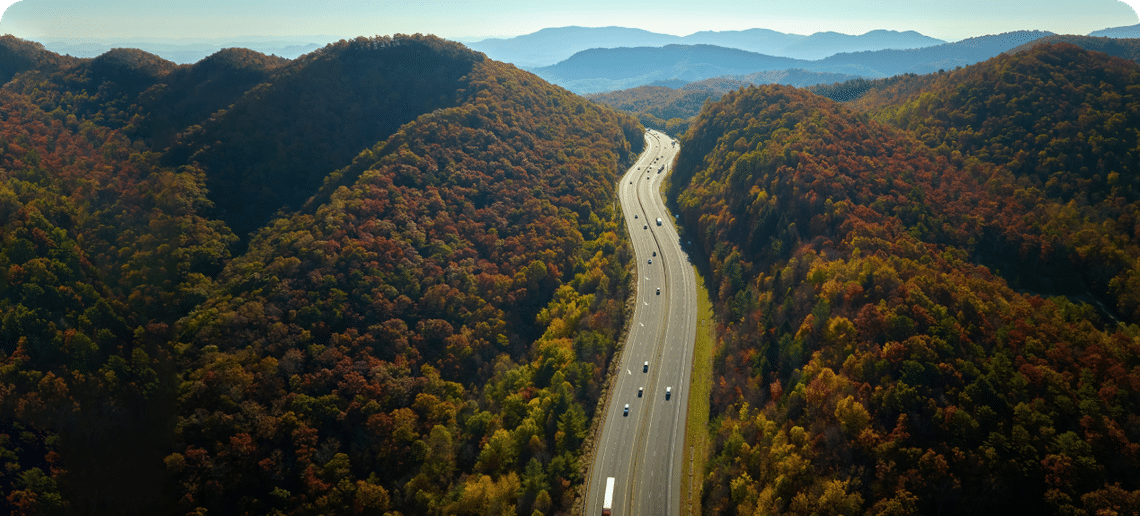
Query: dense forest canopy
{"type": "Point", "coordinates": [423, 323]}
{"type": "Point", "coordinates": [1061, 124]}
{"type": "Point", "coordinates": [672, 109]}
{"type": "Point", "coordinates": [657, 107]}
{"type": "Point", "coordinates": [929, 315]}
{"type": "Point", "coordinates": [659, 101]}
{"type": "Point", "coordinates": [389, 277]}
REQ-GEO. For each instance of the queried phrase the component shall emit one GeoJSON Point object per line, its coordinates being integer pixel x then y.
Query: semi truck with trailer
{"type": "Point", "coordinates": [608, 502]}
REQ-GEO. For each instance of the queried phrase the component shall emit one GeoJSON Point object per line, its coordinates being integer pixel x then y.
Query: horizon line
{"type": "Point", "coordinates": [327, 38]}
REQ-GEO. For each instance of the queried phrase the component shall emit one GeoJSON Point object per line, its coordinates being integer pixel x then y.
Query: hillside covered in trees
{"type": "Point", "coordinates": [929, 315]}
{"type": "Point", "coordinates": [657, 107]}
{"type": "Point", "coordinates": [423, 324]}
{"type": "Point", "coordinates": [672, 109]}
{"type": "Point", "coordinates": [1070, 161]}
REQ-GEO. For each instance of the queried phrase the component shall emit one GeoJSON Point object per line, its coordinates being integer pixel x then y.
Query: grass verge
{"type": "Point", "coordinates": [697, 423]}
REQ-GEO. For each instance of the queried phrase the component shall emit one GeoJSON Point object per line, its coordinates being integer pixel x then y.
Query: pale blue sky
{"type": "Point", "coordinates": [228, 19]}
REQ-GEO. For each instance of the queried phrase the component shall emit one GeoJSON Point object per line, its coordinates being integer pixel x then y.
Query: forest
{"type": "Point", "coordinates": [336, 284]}
{"type": "Point", "coordinates": [925, 298]}
{"type": "Point", "coordinates": [672, 109]}
{"type": "Point", "coordinates": [390, 277]}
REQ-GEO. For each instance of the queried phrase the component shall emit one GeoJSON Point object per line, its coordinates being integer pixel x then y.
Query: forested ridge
{"type": "Point", "coordinates": [1061, 124]}
{"type": "Point", "coordinates": [657, 107]}
{"type": "Point", "coordinates": [661, 102]}
{"type": "Point", "coordinates": [425, 325]}
{"type": "Point", "coordinates": [672, 109]}
{"type": "Point", "coordinates": [923, 309]}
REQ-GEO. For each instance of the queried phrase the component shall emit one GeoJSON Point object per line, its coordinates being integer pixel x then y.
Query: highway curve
{"type": "Point", "coordinates": [643, 450]}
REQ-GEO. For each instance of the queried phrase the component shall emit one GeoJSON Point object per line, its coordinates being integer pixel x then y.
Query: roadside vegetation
{"type": "Point", "coordinates": [698, 442]}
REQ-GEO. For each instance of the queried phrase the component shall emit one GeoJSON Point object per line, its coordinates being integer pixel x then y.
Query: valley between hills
{"type": "Point", "coordinates": [396, 276]}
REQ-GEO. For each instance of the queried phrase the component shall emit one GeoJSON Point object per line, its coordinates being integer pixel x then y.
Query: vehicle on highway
{"type": "Point", "coordinates": [626, 410]}
{"type": "Point", "coordinates": [635, 215]}
{"type": "Point", "coordinates": [640, 390]}
{"type": "Point", "coordinates": [651, 261]}
{"type": "Point", "coordinates": [608, 503]}
{"type": "Point", "coordinates": [668, 391]}
{"type": "Point", "coordinates": [654, 253]}
{"type": "Point", "coordinates": [658, 221]}
{"type": "Point", "coordinates": [644, 369]}
{"type": "Point", "coordinates": [645, 227]}
{"type": "Point", "coordinates": [659, 291]}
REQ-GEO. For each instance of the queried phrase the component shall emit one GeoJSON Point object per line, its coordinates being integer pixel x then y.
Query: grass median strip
{"type": "Point", "coordinates": [697, 423]}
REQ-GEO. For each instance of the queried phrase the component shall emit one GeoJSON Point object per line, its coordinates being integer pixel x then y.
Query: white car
{"type": "Point", "coordinates": [626, 410]}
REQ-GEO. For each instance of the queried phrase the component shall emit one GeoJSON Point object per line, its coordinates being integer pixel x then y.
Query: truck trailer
{"type": "Point", "coordinates": [608, 503]}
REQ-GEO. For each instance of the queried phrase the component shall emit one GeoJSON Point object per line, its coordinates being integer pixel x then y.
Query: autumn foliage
{"type": "Point", "coordinates": [873, 355]}
{"type": "Point", "coordinates": [424, 324]}
{"type": "Point", "coordinates": [438, 330]}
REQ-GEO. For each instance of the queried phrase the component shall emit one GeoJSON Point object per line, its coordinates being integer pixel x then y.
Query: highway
{"type": "Point", "coordinates": [644, 450]}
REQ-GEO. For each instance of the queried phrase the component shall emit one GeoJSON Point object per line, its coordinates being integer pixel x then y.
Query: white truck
{"type": "Point", "coordinates": [608, 503]}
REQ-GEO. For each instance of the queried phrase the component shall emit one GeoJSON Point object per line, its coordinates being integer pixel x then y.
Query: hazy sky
{"type": "Point", "coordinates": [226, 19]}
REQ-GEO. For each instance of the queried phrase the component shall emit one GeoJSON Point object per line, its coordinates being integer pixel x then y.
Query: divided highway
{"type": "Point", "coordinates": [643, 450]}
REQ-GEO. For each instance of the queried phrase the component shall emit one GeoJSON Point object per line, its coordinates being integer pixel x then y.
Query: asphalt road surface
{"type": "Point", "coordinates": [643, 450]}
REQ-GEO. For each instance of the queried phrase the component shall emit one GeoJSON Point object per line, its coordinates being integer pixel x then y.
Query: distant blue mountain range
{"type": "Point", "coordinates": [550, 46]}
{"type": "Point", "coordinates": [607, 69]}
{"type": "Point", "coordinates": [1130, 31]}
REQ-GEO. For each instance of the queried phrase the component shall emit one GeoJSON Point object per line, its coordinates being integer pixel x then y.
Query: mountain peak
{"type": "Point", "coordinates": [19, 55]}
{"type": "Point", "coordinates": [130, 66]}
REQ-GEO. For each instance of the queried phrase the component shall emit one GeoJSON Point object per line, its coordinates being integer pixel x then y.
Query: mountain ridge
{"type": "Point", "coordinates": [382, 348]}
{"type": "Point", "coordinates": [1128, 31]}
{"type": "Point", "coordinates": [552, 45]}
{"type": "Point", "coordinates": [599, 69]}
{"type": "Point", "coordinates": [903, 293]}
